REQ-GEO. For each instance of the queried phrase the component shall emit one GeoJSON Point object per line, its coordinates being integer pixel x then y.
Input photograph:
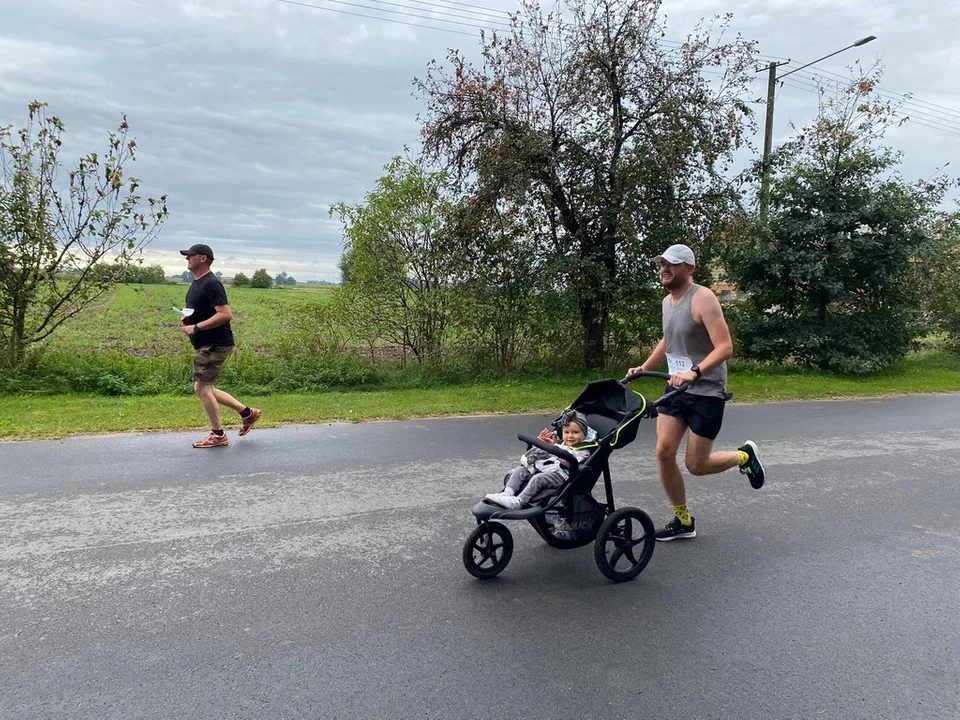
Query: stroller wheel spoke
{"type": "Point", "coordinates": [624, 544]}
{"type": "Point", "coordinates": [488, 552]}
{"type": "Point", "coordinates": [616, 555]}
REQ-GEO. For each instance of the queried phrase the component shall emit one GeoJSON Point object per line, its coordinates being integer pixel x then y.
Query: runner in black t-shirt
{"type": "Point", "coordinates": [206, 322]}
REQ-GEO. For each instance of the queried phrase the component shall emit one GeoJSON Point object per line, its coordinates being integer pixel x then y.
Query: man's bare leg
{"type": "Point", "coordinates": [206, 393]}
{"type": "Point", "coordinates": [228, 400]}
{"type": "Point", "coordinates": [670, 431]}
{"type": "Point", "coordinates": [702, 460]}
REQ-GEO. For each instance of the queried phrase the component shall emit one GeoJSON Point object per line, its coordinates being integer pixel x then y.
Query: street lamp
{"type": "Point", "coordinates": [768, 130]}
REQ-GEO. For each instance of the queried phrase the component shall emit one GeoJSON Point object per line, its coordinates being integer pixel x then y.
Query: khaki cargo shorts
{"type": "Point", "coordinates": [208, 362]}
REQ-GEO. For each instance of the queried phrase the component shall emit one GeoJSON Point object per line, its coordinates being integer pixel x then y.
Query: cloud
{"type": "Point", "coordinates": [256, 115]}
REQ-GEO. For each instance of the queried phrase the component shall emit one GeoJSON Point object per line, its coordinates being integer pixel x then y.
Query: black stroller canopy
{"type": "Point", "coordinates": [607, 404]}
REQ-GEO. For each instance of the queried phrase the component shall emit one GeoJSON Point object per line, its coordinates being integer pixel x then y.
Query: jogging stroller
{"type": "Point", "coordinates": [623, 539]}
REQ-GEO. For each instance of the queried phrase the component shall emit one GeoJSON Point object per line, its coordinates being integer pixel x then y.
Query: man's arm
{"type": "Point", "coordinates": [707, 306]}
{"type": "Point", "coordinates": [222, 316]}
{"type": "Point", "coordinates": [657, 357]}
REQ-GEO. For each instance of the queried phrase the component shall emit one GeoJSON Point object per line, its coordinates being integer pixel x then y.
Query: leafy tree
{"type": "Point", "coordinates": [613, 143]}
{"type": "Point", "coordinates": [147, 275]}
{"type": "Point", "coordinates": [834, 280]}
{"type": "Point", "coordinates": [131, 273]}
{"type": "Point", "coordinates": [504, 283]}
{"type": "Point", "coordinates": [357, 311]}
{"type": "Point", "coordinates": [186, 276]}
{"type": "Point", "coordinates": [56, 232]}
{"type": "Point", "coordinates": [284, 279]}
{"type": "Point", "coordinates": [943, 275]}
{"type": "Point", "coordinates": [398, 252]}
{"type": "Point", "coordinates": [241, 280]}
{"type": "Point", "coordinates": [261, 279]}
{"type": "Point", "coordinates": [344, 265]}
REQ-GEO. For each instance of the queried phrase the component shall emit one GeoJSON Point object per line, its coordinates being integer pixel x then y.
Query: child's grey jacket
{"type": "Point", "coordinates": [540, 461]}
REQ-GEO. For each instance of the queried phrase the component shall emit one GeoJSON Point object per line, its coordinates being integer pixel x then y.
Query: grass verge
{"type": "Point", "coordinates": [23, 416]}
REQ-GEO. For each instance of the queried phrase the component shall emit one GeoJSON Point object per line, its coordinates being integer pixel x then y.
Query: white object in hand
{"type": "Point", "coordinates": [186, 312]}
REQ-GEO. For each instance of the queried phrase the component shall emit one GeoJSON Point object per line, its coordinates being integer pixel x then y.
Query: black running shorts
{"type": "Point", "coordinates": [702, 414]}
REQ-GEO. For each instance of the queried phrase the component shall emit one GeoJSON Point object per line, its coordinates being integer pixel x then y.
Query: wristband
{"type": "Point", "coordinates": [696, 369]}
{"type": "Point", "coordinates": [196, 327]}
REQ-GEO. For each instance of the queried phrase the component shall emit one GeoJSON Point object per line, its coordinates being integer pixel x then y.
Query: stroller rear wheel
{"type": "Point", "coordinates": [624, 544]}
{"type": "Point", "coordinates": [487, 550]}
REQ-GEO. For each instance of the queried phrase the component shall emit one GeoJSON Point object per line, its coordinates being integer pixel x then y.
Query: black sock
{"type": "Point", "coordinates": [218, 432]}
{"type": "Point", "coordinates": [245, 412]}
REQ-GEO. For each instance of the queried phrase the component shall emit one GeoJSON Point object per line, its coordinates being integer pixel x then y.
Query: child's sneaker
{"type": "Point", "coordinates": [511, 502]}
{"type": "Point", "coordinates": [563, 531]}
{"type": "Point", "coordinates": [248, 421]}
{"type": "Point", "coordinates": [212, 440]}
{"type": "Point", "coordinates": [752, 468]}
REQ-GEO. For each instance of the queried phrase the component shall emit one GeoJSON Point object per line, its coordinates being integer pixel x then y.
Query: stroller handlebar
{"type": "Point", "coordinates": [654, 374]}
{"type": "Point", "coordinates": [553, 450]}
{"type": "Point", "coordinates": [645, 373]}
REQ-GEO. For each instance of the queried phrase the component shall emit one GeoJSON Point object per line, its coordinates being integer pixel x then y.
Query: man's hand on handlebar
{"type": "Point", "coordinates": [678, 379]}
{"type": "Point", "coordinates": [638, 368]}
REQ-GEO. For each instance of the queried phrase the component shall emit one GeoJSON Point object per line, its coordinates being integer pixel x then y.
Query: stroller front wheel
{"type": "Point", "coordinates": [487, 550]}
{"type": "Point", "coordinates": [624, 544]}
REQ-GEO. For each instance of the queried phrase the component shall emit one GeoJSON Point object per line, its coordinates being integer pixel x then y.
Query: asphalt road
{"type": "Point", "coordinates": [316, 572]}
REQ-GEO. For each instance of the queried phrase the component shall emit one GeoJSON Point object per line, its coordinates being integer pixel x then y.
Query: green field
{"type": "Point", "coordinates": [125, 365]}
{"type": "Point", "coordinates": [138, 319]}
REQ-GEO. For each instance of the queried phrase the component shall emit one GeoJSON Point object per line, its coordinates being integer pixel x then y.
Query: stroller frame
{"type": "Point", "coordinates": [623, 538]}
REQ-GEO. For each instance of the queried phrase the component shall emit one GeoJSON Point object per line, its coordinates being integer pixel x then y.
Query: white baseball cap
{"type": "Point", "coordinates": [676, 254]}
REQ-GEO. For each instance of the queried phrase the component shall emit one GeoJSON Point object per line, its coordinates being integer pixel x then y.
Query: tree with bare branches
{"type": "Point", "coordinates": [63, 241]}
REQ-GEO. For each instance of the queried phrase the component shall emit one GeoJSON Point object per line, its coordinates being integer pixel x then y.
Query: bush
{"type": "Point", "coordinates": [842, 343]}
{"type": "Point", "coordinates": [260, 279]}
{"type": "Point", "coordinates": [943, 293]}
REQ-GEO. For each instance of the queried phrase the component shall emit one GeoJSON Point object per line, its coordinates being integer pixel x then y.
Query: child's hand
{"type": "Point", "coordinates": [548, 435]}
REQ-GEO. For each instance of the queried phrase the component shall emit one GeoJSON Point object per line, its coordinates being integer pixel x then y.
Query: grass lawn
{"type": "Point", "coordinates": [136, 324]}
{"type": "Point", "coordinates": [138, 319]}
{"type": "Point", "coordinates": [24, 417]}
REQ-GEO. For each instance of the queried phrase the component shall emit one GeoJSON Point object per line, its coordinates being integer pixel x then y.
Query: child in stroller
{"type": "Point", "coordinates": [539, 470]}
{"type": "Point", "coordinates": [623, 538]}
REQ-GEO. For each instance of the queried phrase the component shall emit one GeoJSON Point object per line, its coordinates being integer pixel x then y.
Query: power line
{"type": "Point", "coordinates": [378, 17]}
{"type": "Point", "coordinates": [478, 7]}
{"type": "Point", "coordinates": [500, 18]}
{"type": "Point", "coordinates": [927, 114]}
{"type": "Point", "coordinates": [891, 94]}
{"type": "Point", "coordinates": [499, 15]}
{"type": "Point", "coordinates": [939, 116]}
{"type": "Point", "coordinates": [915, 117]}
{"type": "Point", "coordinates": [921, 112]}
{"type": "Point", "coordinates": [457, 14]}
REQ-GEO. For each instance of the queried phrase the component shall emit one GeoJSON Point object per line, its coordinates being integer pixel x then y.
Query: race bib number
{"type": "Point", "coordinates": [678, 364]}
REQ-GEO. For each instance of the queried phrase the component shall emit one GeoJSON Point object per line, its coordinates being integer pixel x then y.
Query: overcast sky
{"type": "Point", "coordinates": [256, 115]}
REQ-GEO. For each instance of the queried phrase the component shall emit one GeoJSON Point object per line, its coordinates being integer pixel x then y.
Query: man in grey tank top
{"type": "Point", "coordinates": [695, 345]}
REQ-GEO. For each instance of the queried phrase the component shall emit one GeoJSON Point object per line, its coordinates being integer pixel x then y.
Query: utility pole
{"type": "Point", "coordinates": [768, 140]}
{"type": "Point", "coordinates": [768, 129]}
